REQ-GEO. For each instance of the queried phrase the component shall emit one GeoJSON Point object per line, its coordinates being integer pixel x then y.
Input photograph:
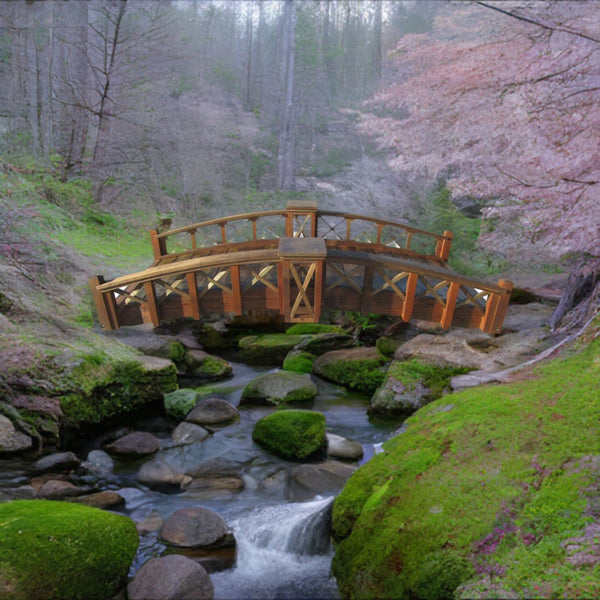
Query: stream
{"type": "Point", "coordinates": [283, 547]}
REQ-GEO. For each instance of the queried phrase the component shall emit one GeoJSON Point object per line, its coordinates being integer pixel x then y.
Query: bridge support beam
{"type": "Point", "coordinates": [495, 308]}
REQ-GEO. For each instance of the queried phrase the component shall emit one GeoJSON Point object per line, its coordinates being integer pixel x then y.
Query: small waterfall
{"type": "Point", "coordinates": [280, 554]}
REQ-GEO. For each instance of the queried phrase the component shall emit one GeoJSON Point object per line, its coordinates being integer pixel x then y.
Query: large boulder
{"type": "Point", "coordinates": [357, 368]}
{"type": "Point", "coordinates": [56, 550]}
{"type": "Point", "coordinates": [292, 434]}
{"type": "Point", "coordinates": [212, 411]}
{"type": "Point", "coordinates": [58, 461]}
{"type": "Point", "coordinates": [201, 365]}
{"type": "Point", "coordinates": [158, 473]}
{"type": "Point", "coordinates": [280, 387]}
{"type": "Point", "coordinates": [172, 577]}
{"type": "Point", "coordinates": [196, 527]}
{"type": "Point", "coordinates": [11, 440]}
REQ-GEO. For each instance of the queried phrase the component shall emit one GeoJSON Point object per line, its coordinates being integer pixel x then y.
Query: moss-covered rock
{"type": "Point", "coordinates": [200, 365]}
{"type": "Point", "coordinates": [410, 385]}
{"type": "Point", "coordinates": [312, 328]}
{"type": "Point", "coordinates": [292, 434]}
{"type": "Point", "coordinates": [179, 403]}
{"type": "Point", "coordinates": [499, 480]}
{"type": "Point", "coordinates": [299, 361]}
{"type": "Point", "coordinates": [268, 349]}
{"type": "Point", "coordinates": [357, 368]}
{"type": "Point", "coordinates": [58, 550]}
{"type": "Point", "coordinates": [280, 387]}
{"type": "Point", "coordinates": [104, 390]}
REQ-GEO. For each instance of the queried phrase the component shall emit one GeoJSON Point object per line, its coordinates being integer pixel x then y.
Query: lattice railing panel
{"type": "Point", "coordinates": [344, 274]}
{"type": "Point", "coordinates": [263, 274]}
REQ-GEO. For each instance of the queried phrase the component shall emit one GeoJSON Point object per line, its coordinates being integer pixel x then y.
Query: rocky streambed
{"type": "Point", "coordinates": [202, 491]}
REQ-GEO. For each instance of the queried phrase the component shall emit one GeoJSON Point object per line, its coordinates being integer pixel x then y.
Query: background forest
{"type": "Point", "coordinates": [479, 117]}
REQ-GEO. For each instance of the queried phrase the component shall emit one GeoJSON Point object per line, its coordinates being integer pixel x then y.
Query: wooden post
{"type": "Point", "coordinates": [236, 289]}
{"type": "Point", "coordinates": [193, 293]}
{"type": "Point", "coordinates": [151, 314]}
{"type": "Point", "coordinates": [365, 300]}
{"type": "Point", "coordinates": [495, 308]}
{"type": "Point", "coordinates": [303, 208]}
{"type": "Point", "coordinates": [451, 296]}
{"type": "Point", "coordinates": [409, 296]}
{"type": "Point", "coordinates": [105, 304]}
{"type": "Point", "coordinates": [159, 245]}
{"type": "Point", "coordinates": [442, 247]}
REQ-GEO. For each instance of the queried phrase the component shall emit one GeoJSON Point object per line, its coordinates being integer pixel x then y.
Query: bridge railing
{"type": "Point", "coordinates": [300, 219]}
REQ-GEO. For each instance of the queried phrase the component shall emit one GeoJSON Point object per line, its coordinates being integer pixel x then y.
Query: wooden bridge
{"type": "Point", "coordinates": [299, 262]}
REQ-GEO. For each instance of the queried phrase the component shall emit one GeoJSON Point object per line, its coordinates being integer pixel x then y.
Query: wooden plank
{"type": "Point", "coordinates": [193, 292]}
{"type": "Point", "coordinates": [151, 313]}
{"type": "Point", "coordinates": [495, 308]}
{"type": "Point", "coordinates": [236, 291]}
{"type": "Point", "coordinates": [319, 285]}
{"type": "Point", "coordinates": [105, 304]}
{"type": "Point", "coordinates": [159, 244]}
{"type": "Point", "coordinates": [298, 248]}
{"type": "Point", "coordinates": [409, 296]}
{"type": "Point", "coordinates": [367, 291]}
{"type": "Point", "coordinates": [442, 247]}
{"type": "Point", "coordinates": [451, 296]}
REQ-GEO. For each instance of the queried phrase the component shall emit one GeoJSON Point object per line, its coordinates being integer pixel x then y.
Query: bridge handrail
{"type": "Point", "coordinates": [316, 217]}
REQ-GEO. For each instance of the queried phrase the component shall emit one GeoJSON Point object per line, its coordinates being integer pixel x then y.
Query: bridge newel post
{"type": "Point", "coordinates": [159, 245]}
{"type": "Point", "coordinates": [105, 304]}
{"type": "Point", "coordinates": [301, 218]}
{"type": "Point", "coordinates": [495, 308]}
{"type": "Point", "coordinates": [442, 247]}
{"type": "Point", "coordinates": [150, 315]}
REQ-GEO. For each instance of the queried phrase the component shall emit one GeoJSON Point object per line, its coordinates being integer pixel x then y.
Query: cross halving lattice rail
{"type": "Point", "coordinates": [298, 262]}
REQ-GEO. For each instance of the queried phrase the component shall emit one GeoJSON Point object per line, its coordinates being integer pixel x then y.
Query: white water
{"type": "Point", "coordinates": [275, 560]}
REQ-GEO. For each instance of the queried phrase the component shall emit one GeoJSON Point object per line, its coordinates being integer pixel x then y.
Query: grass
{"type": "Point", "coordinates": [478, 488]}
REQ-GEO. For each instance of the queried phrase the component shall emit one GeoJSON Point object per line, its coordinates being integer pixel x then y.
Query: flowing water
{"type": "Point", "coordinates": [282, 539]}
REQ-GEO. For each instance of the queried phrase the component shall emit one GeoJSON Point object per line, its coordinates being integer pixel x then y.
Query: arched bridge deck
{"type": "Point", "coordinates": [299, 262]}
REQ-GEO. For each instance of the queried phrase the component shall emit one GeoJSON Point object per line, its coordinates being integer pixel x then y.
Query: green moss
{"type": "Point", "coordinates": [268, 349]}
{"type": "Point", "coordinates": [112, 389]}
{"type": "Point", "coordinates": [292, 434]}
{"type": "Point", "coordinates": [299, 362]}
{"type": "Point", "coordinates": [58, 550]}
{"type": "Point", "coordinates": [494, 482]}
{"type": "Point", "coordinates": [310, 328]}
{"type": "Point", "coordinates": [364, 375]}
{"type": "Point", "coordinates": [179, 403]}
{"type": "Point", "coordinates": [387, 346]}
{"type": "Point", "coordinates": [435, 378]}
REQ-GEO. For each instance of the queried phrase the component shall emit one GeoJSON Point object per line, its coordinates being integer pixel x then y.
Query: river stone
{"type": "Point", "coordinates": [217, 473]}
{"type": "Point", "coordinates": [157, 473]}
{"type": "Point", "coordinates": [171, 577]}
{"type": "Point", "coordinates": [56, 489]}
{"type": "Point", "coordinates": [60, 461]}
{"type": "Point", "coordinates": [99, 463]}
{"type": "Point", "coordinates": [12, 440]}
{"type": "Point", "coordinates": [179, 403]}
{"type": "Point", "coordinates": [105, 499]}
{"type": "Point", "coordinates": [136, 443]}
{"type": "Point", "coordinates": [280, 387]}
{"type": "Point", "coordinates": [196, 527]}
{"type": "Point", "coordinates": [188, 433]}
{"type": "Point", "coordinates": [202, 365]}
{"type": "Point", "coordinates": [213, 410]}
{"type": "Point", "coordinates": [150, 523]}
{"type": "Point", "coordinates": [306, 481]}
{"type": "Point", "coordinates": [320, 343]}
{"type": "Point", "coordinates": [340, 447]}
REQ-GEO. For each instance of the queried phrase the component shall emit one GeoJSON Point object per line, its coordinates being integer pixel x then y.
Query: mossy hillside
{"type": "Point", "coordinates": [489, 481]}
{"type": "Point", "coordinates": [291, 434]}
{"type": "Point", "coordinates": [103, 390]}
{"type": "Point", "coordinates": [58, 550]}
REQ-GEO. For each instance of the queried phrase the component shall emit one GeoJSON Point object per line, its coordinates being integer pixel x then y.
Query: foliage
{"type": "Point", "coordinates": [490, 485]}
{"type": "Point", "coordinates": [292, 434]}
{"type": "Point", "coordinates": [57, 550]}
{"type": "Point", "coordinates": [363, 375]}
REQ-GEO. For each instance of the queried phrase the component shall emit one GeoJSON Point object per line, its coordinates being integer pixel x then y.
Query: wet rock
{"type": "Point", "coordinates": [219, 473]}
{"type": "Point", "coordinates": [196, 527]}
{"type": "Point", "coordinates": [340, 447]}
{"type": "Point", "coordinates": [268, 349]}
{"type": "Point", "coordinates": [179, 403]}
{"type": "Point", "coordinates": [23, 492]}
{"type": "Point", "coordinates": [200, 364]}
{"type": "Point", "coordinates": [136, 443]}
{"type": "Point", "coordinates": [395, 397]}
{"type": "Point", "coordinates": [11, 440]}
{"type": "Point", "coordinates": [99, 463]}
{"type": "Point", "coordinates": [320, 343]}
{"type": "Point", "coordinates": [188, 433]}
{"type": "Point", "coordinates": [158, 473]}
{"type": "Point", "coordinates": [151, 522]}
{"type": "Point", "coordinates": [171, 577]}
{"type": "Point", "coordinates": [306, 481]}
{"type": "Point", "coordinates": [56, 489]}
{"type": "Point", "coordinates": [61, 461]}
{"type": "Point", "coordinates": [211, 411]}
{"type": "Point", "coordinates": [104, 500]}
{"type": "Point", "coordinates": [280, 387]}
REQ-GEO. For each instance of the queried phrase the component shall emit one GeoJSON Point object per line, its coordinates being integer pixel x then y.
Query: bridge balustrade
{"type": "Point", "coordinates": [299, 262]}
